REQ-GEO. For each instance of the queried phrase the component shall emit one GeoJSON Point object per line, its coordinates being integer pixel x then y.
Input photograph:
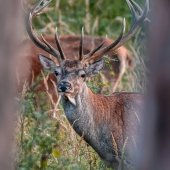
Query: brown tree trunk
{"type": "Point", "coordinates": [155, 153]}
{"type": "Point", "coordinates": [9, 34]}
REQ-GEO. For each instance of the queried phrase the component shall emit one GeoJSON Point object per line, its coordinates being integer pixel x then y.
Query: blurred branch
{"type": "Point", "coordinates": [10, 12]}
{"type": "Point", "coordinates": [155, 152]}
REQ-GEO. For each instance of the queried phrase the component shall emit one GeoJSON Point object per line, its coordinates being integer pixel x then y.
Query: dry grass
{"type": "Point", "coordinates": [115, 145]}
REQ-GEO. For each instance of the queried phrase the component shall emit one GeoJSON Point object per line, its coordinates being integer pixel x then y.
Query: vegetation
{"type": "Point", "coordinates": [44, 139]}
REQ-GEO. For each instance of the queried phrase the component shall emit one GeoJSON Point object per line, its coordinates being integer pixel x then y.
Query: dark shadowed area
{"type": "Point", "coordinates": [156, 149]}
{"type": "Point", "coordinates": [9, 33]}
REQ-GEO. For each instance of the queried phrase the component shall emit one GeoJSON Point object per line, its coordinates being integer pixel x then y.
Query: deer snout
{"type": "Point", "coordinates": [64, 86]}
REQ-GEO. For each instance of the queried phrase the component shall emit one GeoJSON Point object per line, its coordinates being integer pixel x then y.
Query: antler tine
{"type": "Point", "coordinates": [137, 21]}
{"type": "Point", "coordinates": [36, 11]}
{"type": "Point", "coordinates": [46, 42]}
{"type": "Point", "coordinates": [59, 46]}
{"type": "Point", "coordinates": [44, 45]}
{"type": "Point", "coordinates": [137, 7]}
{"type": "Point", "coordinates": [108, 48]}
{"type": "Point", "coordinates": [134, 14]}
{"type": "Point", "coordinates": [81, 46]}
{"type": "Point", "coordinates": [96, 49]}
{"type": "Point", "coordinates": [43, 6]}
{"type": "Point", "coordinates": [33, 10]}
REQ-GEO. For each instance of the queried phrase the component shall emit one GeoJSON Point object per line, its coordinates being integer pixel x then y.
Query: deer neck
{"type": "Point", "coordinates": [81, 116]}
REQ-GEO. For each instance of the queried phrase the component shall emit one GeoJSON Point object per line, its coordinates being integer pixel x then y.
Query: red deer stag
{"type": "Point", "coordinates": [108, 123]}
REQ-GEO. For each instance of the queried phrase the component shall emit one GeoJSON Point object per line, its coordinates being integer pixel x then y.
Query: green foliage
{"type": "Point", "coordinates": [92, 86]}
{"type": "Point", "coordinates": [45, 142]}
{"type": "Point", "coordinates": [108, 59]}
{"type": "Point", "coordinates": [38, 135]}
{"type": "Point", "coordinates": [99, 17]}
{"type": "Point", "coordinates": [96, 83]}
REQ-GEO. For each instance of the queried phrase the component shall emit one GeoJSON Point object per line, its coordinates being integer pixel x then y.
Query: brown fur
{"type": "Point", "coordinates": [117, 112]}
{"type": "Point", "coordinates": [101, 117]}
{"type": "Point", "coordinates": [71, 64]}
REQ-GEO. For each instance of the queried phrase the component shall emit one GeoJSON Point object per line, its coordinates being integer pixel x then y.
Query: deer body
{"type": "Point", "coordinates": [99, 117]}
{"type": "Point", "coordinates": [109, 123]}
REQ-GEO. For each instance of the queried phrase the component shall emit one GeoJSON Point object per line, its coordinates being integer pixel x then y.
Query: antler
{"type": "Point", "coordinates": [137, 21]}
{"type": "Point", "coordinates": [36, 10]}
{"type": "Point", "coordinates": [81, 47]}
{"type": "Point", "coordinates": [59, 46]}
{"type": "Point", "coordinates": [104, 50]}
{"type": "Point", "coordinates": [92, 52]}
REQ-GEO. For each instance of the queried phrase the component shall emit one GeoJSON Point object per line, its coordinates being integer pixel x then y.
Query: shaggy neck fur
{"type": "Point", "coordinates": [89, 117]}
{"type": "Point", "coordinates": [81, 116]}
{"type": "Point", "coordinates": [102, 118]}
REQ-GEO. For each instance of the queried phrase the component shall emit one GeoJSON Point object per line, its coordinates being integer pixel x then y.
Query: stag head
{"type": "Point", "coordinates": [71, 75]}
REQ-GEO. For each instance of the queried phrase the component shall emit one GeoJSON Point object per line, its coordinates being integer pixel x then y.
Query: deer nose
{"type": "Point", "coordinates": [64, 86]}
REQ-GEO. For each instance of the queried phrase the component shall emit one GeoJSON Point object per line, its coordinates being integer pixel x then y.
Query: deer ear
{"type": "Point", "coordinates": [95, 67]}
{"type": "Point", "coordinates": [47, 63]}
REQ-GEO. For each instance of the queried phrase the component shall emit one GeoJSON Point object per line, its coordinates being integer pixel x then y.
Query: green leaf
{"type": "Point", "coordinates": [44, 163]}
{"type": "Point", "coordinates": [56, 153]}
{"type": "Point", "coordinates": [112, 73]}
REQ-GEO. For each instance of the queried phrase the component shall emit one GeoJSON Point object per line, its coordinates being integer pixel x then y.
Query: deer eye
{"type": "Point", "coordinates": [56, 73]}
{"type": "Point", "coordinates": [83, 75]}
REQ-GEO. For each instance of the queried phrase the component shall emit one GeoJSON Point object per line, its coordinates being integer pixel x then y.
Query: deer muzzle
{"type": "Point", "coordinates": [64, 86]}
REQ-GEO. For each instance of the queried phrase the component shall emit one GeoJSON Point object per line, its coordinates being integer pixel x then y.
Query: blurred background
{"type": "Point", "coordinates": [43, 137]}
{"type": "Point", "coordinates": [98, 17]}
